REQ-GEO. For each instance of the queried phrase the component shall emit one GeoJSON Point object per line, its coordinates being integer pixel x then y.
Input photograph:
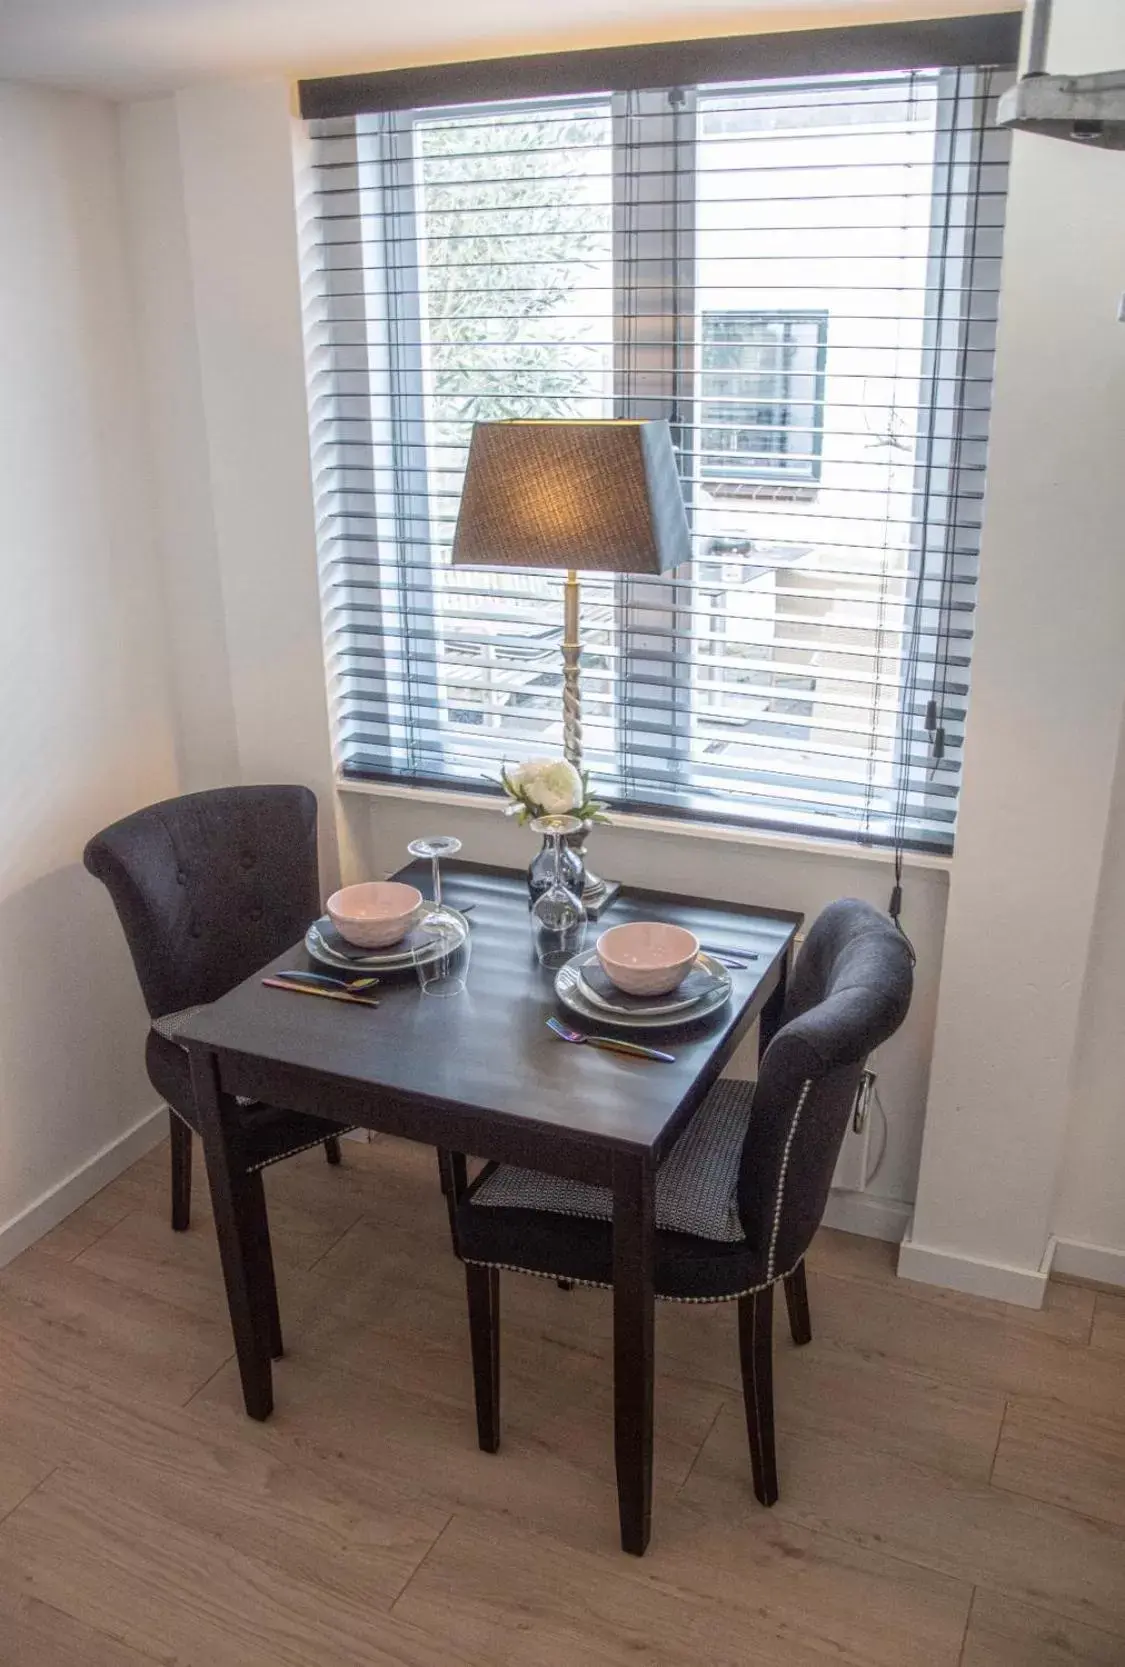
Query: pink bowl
{"type": "Point", "coordinates": [374, 914]}
{"type": "Point", "coordinates": [647, 958]}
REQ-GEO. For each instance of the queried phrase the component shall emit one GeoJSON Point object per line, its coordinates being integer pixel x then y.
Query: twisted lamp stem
{"type": "Point", "coordinates": [572, 694]}
{"type": "Point", "coordinates": [594, 891]}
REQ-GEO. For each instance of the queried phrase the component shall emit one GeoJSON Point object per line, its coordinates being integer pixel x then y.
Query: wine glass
{"type": "Point", "coordinates": [441, 845]}
{"type": "Point", "coordinates": [558, 919]}
{"type": "Point", "coordinates": [441, 958]}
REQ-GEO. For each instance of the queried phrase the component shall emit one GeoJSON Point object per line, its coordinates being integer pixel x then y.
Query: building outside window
{"type": "Point", "coordinates": [762, 398]}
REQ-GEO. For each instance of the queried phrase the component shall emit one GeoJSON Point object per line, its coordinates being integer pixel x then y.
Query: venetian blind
{"type": "Point", "coordinates": [802, 276]}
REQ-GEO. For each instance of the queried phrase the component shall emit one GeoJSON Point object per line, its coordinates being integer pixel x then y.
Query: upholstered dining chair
{"type": "Point", "coordinates": [739, 1197]}
{"type": "Point", "coordinates": [208, 888]}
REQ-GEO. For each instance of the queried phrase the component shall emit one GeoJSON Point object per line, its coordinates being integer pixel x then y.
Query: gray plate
{"type": "Point", "coordinates": [569, 989]}
{"type": "Point", "coordinates": [658, 1006]}
{"type": "Point", "coordinates": [392, 959]}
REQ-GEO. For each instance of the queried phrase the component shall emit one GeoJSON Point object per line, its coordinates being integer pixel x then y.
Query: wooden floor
{"type": "Point", "coordinates": [952, 1471]}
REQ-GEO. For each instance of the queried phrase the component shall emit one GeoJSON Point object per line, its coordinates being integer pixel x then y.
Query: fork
{"type": "Point", "coordinates": [611, 1044]}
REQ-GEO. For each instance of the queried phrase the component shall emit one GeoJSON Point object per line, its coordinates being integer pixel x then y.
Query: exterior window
{"type": "Point", "coordinates": [802, 278]}
{"type": "Point", "coordinates": [762, 396]}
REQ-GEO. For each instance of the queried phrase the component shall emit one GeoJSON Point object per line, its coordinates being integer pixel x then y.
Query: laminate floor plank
{"type": "Point", "coordinates": [769, 1600]}
{"type": "Point", "coordinates": [73, 1313]}
{"type": "Point", "coordinates": [1109, 1324]}
{"type": "Point", "coordinates": [1038, 1553]}
{"type": "Point", "coordinates": [178, 1593]}
{"type": "Point", "coordinates": [36, 1634]}
{"type": "Point", "coordinates": [1004, 1633]}
{"type": "Point", "coordinates": [993, 1347]}
{"type": "Point", "coordinates": [140, 1254]}
{"type": "Point", "coordinates": [1066, 1312]}
{"type": "Point", "coordinates": [353, 1530]}
{"type": "Point", "coordinates": [1046, 1453]}
{"type": "Point", "coordinates": [413, 1420]}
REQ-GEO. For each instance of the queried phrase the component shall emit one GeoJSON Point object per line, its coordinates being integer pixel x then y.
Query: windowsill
{"type": "Point", "coordinates": [802, 844]}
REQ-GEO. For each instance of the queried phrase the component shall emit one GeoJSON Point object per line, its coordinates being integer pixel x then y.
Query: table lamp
{"type": "Point", "coordinates": [593, 497]}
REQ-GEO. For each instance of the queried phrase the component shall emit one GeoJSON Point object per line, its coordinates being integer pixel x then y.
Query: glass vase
{"type": "Point", "coordinates": [558, 919]}
{"type": "Point", "coordinates": [541, 870]}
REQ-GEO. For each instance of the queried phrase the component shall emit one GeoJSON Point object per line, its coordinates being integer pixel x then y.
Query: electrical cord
{"type": "Point", "coordinates": [876, 1104]}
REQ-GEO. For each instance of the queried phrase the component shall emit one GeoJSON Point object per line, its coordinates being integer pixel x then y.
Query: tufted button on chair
{"type": "Point", "coordinates": [209, 888]}
{"type": "Point", "coordinates": [738, 1198]}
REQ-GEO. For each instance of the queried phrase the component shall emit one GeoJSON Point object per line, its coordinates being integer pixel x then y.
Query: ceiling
{"type": "Point", "coordinates": [133, 48]}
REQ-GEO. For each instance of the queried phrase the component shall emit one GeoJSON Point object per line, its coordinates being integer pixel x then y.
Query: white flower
{"type": "Point", "coordinates": [530, 770]}
{"type": "Point", "coordinates": [552, 785]}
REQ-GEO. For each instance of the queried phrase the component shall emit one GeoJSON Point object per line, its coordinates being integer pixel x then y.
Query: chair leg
{"type": "Point", "coordinates": [797, 1302]}
{"type": "Point", "coordinates": [332, 1149]}
{"type": "Point", "coordinates": [181, 1172]}
{"type": "Point", "coordinates": [483, 1288]}
{"type": "Point", "coordinates": [262, 1277]}
{"type": "Point", "coordinates": [755, 1344]}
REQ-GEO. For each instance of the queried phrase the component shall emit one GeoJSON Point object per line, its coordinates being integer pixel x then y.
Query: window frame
{"type": "Point", "coordinates": [678, 368]}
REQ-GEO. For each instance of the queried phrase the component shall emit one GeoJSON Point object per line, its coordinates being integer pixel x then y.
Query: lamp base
{"type": "Point", "coordinates": [598, 895]}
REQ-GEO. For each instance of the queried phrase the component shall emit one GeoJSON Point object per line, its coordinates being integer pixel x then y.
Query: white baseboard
{"type": "Point", "coordinates": [862, 1212]}
{"type": "Point", "coordinates": [1096, 1262]}
{"type": "Point", "coordinates": [1025, 1287]}
{"type": "Point", "coordinates": [59, 1201]}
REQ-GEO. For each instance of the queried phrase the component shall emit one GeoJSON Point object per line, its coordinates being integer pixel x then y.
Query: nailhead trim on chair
{"type": "Point", "coordinates": [292, 1151]}
{"type": "Point", "coordinates": [779, 1201]}
{"type": "Point", "coordinates": [600, 1285]}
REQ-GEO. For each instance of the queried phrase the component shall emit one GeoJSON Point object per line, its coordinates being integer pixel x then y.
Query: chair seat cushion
{"type": "Point", "coordinates": [265, 1133]}
{"type": "Point", "coordinates": [577, 1243]}
{"type": "Point", "coordinates": [696, 1187]}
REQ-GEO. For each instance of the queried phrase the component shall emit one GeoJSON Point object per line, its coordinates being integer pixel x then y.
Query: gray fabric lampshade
{"type": "Point", "coordinates": [597, 496]}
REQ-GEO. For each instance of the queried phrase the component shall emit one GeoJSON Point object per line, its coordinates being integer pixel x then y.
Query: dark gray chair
{"type": "Point", "coordinates": [739, 1197]}
{"type": "Point", "coordinates": [208, 888]}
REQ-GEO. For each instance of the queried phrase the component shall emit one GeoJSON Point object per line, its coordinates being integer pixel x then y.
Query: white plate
{"type": "Point", "coordinates": [394, 958]}
{"type": "Point", "coordinates": [568, 988]}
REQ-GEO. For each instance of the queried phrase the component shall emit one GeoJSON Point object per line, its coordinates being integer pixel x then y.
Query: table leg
{"type": "Point", "coordinates": [770, 1021]}
{"type": "Point", "coordinates": [239, 1246]}
{"type": "Point", "coordinates": [263, 1279]}
{"type": "Point", "coordinates": [634, 1251]}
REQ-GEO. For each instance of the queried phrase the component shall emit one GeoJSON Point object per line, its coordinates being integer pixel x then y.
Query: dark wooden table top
{"type": "Point", "coordinates": [488, 1052]}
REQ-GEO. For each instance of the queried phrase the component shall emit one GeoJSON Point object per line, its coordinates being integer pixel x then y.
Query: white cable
{"type": "Point", "coordinates": [873, 1168]}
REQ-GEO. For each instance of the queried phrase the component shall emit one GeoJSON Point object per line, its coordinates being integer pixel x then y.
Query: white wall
{"type": "Point", "coordinates": [86, 732]}
{"type": "Point", "coordinates": [1089, 1215]}
{"type": "Point", "coordinates": [198, 661]}
{"type": "Point", "coordinates": [1024, 935]}
{"type": "Point", "coordinates": [213, 248]}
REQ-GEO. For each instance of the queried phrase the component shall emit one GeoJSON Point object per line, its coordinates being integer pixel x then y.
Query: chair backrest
{"type": "Point", "coordinates": [851, 990]}
{"type": "Point", "coordinates": [209, 887]}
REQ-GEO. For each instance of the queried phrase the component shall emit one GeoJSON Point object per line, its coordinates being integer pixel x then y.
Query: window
{"type": "Point", "coordinates": [802, 277]}
{"type": "Point", "coordinates": [762, 397]}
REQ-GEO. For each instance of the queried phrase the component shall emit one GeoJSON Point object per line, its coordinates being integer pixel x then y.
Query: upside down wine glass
{"type": "Point", "coordinates": [558, 919]}
{"type": "Point", "coordinates": [441, 959]}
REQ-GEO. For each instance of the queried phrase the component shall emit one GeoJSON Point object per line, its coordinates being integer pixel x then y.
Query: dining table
{"type": "Point", "coordinates": [480, 1074]}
